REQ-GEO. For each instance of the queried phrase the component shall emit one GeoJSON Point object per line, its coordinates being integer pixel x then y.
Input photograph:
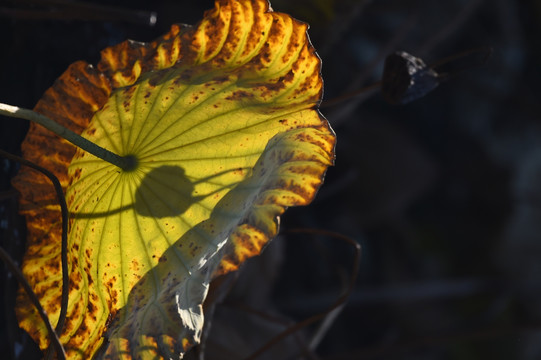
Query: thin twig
{"type": "Point", "coordinates": [314, 318]}
{"type": "Point", "coordinates": [271, 318]}
{"type": "Point", "coordinates": [349, 95]}
{"type": "Point", "coordinates": [449, 28]}
{"type": "Point", "coordinates": [55, 341]}
{"type": "Point", "coordinates": [341, 25]}
{"type": "Point", "coordinates": [324, 327]}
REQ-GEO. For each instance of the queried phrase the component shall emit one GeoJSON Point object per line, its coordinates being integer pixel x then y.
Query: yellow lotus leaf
{"type": "Point", "coordinates": [222, 120]}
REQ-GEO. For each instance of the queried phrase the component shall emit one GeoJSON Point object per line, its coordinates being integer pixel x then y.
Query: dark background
{"type": "Point", "coordinates": [443, 194]}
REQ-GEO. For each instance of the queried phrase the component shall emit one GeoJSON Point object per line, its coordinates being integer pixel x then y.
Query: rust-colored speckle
{"type": "Point", "coordinates": [90, 307]}
{"type": "Point", "coordinates": [239, 95]}
{"type": "Point", "coordinates": [134, 265]}
{"type": "Point", "coordinates": [77, 174]}
{"type": "Point", "coordinates": [238, 171]}
{"type": "Point", "coordinates": [213, 34]}
{"type": "Point", "coordinates": [114, 298]}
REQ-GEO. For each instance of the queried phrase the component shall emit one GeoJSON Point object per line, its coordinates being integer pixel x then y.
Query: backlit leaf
{"type": "Point", "coordinates": [222, 118]}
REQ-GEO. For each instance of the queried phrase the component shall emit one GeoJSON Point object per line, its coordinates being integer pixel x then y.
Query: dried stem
{"type": "Point", "coordinates": [338, 302]}
{"type": "Point", "coordinates": [64, 247]}
{"type": "Point", "coordinates": [126, 163]}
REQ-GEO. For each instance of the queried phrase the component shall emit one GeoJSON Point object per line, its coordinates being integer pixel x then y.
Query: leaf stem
{"type": "Point", "coordinates": [126, 163]}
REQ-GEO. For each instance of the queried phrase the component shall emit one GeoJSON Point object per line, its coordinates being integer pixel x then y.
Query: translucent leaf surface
{"type": "Point", "coordinates": [222, 120]}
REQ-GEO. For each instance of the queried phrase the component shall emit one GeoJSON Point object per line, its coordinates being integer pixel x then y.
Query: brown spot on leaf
{"type": "Point", "coordinates": [90, 307]}
{"type": "Point", "coordinates": [239, 95]}
{"type": "Point", "coordinates": [238, 171]}
{"type": "Point", "coordinates": [77, 174]}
